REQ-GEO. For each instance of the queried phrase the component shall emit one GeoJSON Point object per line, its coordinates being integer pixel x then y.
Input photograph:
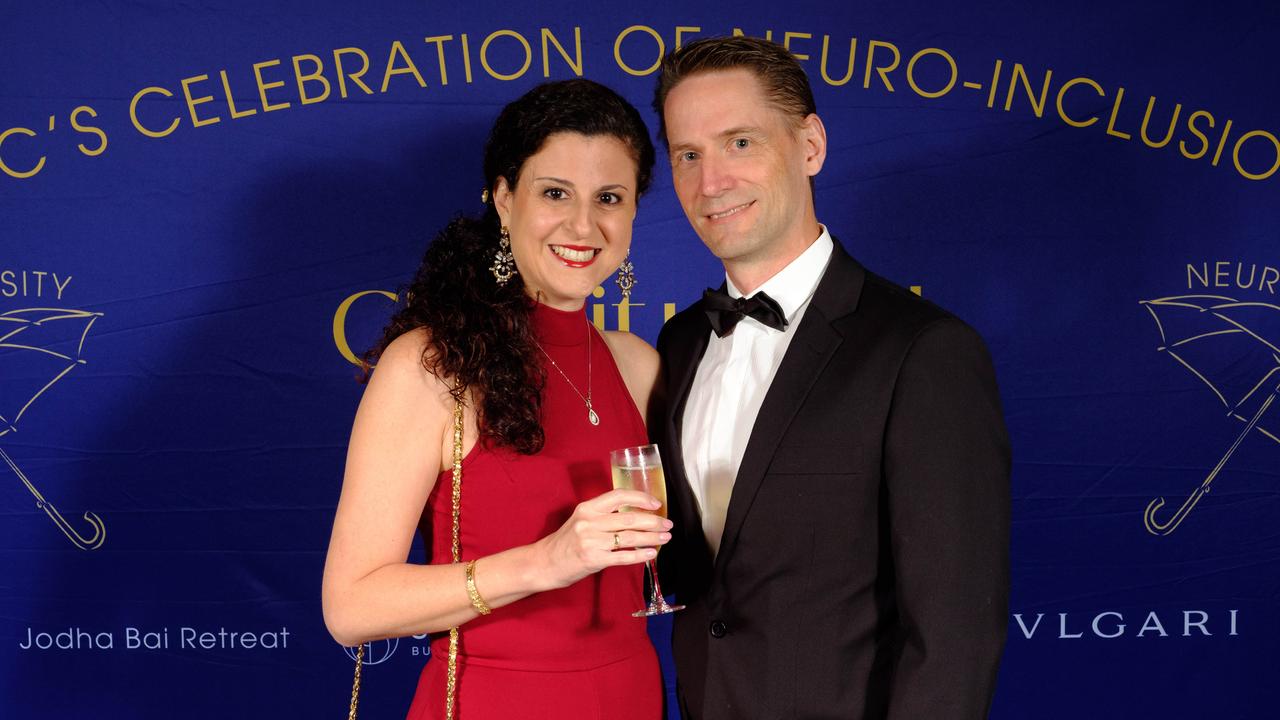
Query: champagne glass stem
{"type": "Point", "coordinates": [657, 600]}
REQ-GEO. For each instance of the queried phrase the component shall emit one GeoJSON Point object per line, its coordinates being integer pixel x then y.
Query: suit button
{"type": "Point", "coordinates": [718, 629]}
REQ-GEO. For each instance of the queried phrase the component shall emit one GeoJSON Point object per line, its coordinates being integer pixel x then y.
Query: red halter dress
{"type": "Point", "coordinates": [569, 654]}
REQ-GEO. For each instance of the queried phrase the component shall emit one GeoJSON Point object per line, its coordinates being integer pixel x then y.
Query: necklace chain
{"type": "Point", "coordinates": [592, 417]}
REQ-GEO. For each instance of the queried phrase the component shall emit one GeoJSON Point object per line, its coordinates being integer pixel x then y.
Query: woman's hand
{"type": "Point", "coordinates": [616, 528]}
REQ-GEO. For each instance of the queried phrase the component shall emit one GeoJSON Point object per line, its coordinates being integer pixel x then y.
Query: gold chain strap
{"type": "Point", "coordinates": [451, 685]}
{"type": "Point", "coordinates": [355, 684]}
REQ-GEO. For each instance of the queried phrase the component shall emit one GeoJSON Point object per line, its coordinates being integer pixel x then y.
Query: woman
{"type": "Point", "coordinates": [495, 318]}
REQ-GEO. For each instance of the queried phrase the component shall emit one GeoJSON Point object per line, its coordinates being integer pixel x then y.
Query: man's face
{"type": "Point", "coordinates": [741, 167]}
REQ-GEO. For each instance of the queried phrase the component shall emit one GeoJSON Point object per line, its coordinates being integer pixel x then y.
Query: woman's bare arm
{"type": "Point", "coordinates": [400, 442]}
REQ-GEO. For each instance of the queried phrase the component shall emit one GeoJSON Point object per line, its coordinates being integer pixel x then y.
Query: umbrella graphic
{"type": "Point", "coordinates": [1234, 349]}
{"type": "Point", "coordinates": [39, 347]}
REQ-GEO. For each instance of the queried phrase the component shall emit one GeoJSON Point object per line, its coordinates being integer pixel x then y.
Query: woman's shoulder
{"type": "Point", "coordinates": [405, 363]}
{"type": "Point", "coordinates": [637, 362]}
{"type": "Point", "coordinates": [630, 349]}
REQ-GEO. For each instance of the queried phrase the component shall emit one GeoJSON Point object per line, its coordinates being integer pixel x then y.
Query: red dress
{"type": "Point", "coordinates": [573, 653]}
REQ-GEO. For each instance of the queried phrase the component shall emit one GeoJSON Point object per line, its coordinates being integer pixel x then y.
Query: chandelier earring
{"type": "Point", "coordinates": [626, 278]}
{"type": "Point", "coordinates": [504, 263]}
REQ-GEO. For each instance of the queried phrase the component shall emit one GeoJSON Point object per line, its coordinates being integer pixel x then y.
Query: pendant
{"type": "Point", "coordinates": [593, 417]}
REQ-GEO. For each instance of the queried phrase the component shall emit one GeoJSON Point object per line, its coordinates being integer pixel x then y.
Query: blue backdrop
{"type": "Point", "coordinates": [204, 207]}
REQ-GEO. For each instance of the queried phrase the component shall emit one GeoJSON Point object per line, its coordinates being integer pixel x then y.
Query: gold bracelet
{"type": "Point", "coordinates": [476, 601]}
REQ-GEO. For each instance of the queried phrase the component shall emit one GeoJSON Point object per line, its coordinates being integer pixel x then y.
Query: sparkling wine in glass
{"type": "Point", "coordinates": [640, 468]}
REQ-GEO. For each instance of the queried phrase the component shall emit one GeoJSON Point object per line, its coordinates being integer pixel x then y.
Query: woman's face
{"type": "Point", "coordinates": [570, 215]}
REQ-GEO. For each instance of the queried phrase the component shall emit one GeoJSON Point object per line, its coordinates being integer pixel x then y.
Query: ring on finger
{"type": "Point", "coordinates": [617, 541]}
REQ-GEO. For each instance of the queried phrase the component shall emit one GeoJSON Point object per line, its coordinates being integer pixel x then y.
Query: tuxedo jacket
{"type": "Point", "coordinates": [863, 570]}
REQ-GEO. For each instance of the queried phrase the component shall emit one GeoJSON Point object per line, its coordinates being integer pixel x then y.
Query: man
{"type": "Point", "coordinates": [838, 463]}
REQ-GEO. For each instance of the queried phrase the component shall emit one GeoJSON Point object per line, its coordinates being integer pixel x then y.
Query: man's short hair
{"type": "Point", "coordinates": [780, 74]}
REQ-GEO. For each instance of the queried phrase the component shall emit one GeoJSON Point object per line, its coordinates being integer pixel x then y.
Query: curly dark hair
{"type": "Point", "coordinates": [480, 333]}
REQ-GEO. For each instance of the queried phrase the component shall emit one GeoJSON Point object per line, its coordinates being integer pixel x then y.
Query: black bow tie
{"type": "Point", "coordinates": [725, 312]}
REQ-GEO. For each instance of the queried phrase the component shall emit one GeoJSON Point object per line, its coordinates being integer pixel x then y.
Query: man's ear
{"type": "Point", "coordinates": [813, 137]}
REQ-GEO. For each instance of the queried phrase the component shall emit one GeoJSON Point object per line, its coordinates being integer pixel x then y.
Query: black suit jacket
{"type": "Point", "coordinates": [863, 571]}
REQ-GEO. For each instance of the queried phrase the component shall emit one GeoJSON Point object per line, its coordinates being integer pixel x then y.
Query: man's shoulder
{"type": "Point", "coordinates": [852, 292]}
{"type": "Point", "coordinates": [902, 306]}
{"type": "Point", "coordinates": [901, 317]}
{"type": "Point", "coordinates": [691, 315]}
{"type": "Point", "coordinates": [682, 326]}
{"type": "Point", "coordinates": [919, 326]}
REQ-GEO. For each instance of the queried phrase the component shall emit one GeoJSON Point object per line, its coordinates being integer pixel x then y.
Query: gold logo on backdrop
{"type": "Point", "coordinates": [38, 347]}
{"type": "Point", "coordinates": [1233, 348]}
{"type": "Point", "coordinates": [623, 310]}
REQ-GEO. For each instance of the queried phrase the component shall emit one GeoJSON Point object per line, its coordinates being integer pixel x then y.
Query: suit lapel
{"type": "Point", "coordinates": [815, 343]}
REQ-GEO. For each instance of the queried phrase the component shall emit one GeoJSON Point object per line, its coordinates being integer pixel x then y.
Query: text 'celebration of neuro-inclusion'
{"type": "Point", "coordinates": [465, 361]}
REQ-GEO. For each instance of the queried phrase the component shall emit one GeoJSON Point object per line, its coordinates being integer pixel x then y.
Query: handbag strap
{"type": "Point", "coordinates": [451, 684]}
{"type": "Point", "coordinates": [355, 684]}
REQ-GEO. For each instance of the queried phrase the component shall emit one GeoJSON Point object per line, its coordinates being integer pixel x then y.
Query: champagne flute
{"type": "Point", "coordinates": [640, 468]}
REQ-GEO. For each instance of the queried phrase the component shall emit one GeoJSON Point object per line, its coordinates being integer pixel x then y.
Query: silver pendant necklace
{"type": "Point", "coordinates": [592, 417]}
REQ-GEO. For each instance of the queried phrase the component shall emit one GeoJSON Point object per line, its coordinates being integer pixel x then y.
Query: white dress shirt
{"type": "Point", "coordinates": [731, 382]}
